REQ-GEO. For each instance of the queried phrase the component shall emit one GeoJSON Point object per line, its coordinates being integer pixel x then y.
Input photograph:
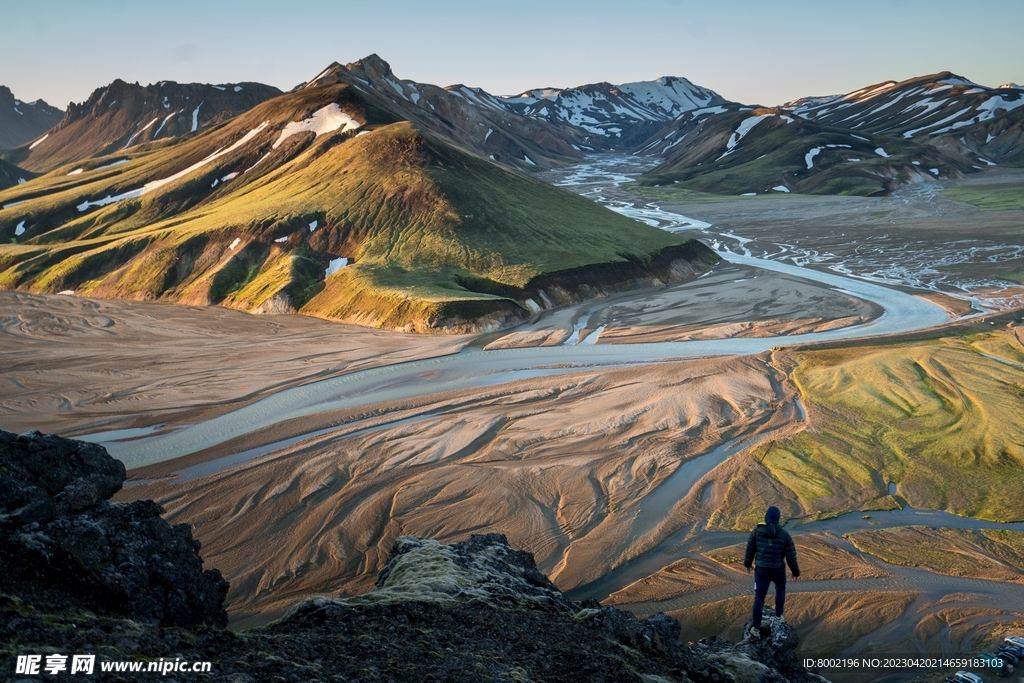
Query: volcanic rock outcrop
{"type": "Point", "coordinates": [64, 546]}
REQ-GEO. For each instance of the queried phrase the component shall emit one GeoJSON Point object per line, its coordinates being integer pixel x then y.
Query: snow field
{"type": "Point", "coordinates": [335, 265]}
{"type": "Point", "coordinates": [324, 120]}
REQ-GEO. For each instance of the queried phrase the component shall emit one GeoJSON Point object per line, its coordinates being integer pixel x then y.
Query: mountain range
{"type": "Point", "coordinates": [363, 197]}
{"type": "Point", "coordinates": [332, 200]}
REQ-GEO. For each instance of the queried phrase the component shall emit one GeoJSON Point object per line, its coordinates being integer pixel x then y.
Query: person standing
{"type": "Point", "coordinates": [770, 548]}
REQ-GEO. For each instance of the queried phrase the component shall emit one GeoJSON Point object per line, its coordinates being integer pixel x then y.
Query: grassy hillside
{"type": "Point", "coordinates": [939, 418]}
{"type": "Point", "coordinates": [1002, 197]}
{"type": "Point", "coordinates": [434, 237]}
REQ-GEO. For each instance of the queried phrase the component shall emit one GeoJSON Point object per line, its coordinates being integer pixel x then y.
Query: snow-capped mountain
{"type": "Point", "coordinates": [122, 115]}
{"type": "Point", "coordinates": [941, 109]}
{"type": "Point", "coordinates": [929, 105]}
{"type": "Point", "coordinates": [540, 127]}
{"type": "Point", "coordinates": [469, 117]}
{"type": "Point", "coordinates": [619, 113]}
{"type": "Point", "coordinates": [21, 121]}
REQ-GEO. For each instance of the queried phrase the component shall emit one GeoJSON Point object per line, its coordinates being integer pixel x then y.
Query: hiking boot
{"type": "Point", "coordinates": [755, 632]}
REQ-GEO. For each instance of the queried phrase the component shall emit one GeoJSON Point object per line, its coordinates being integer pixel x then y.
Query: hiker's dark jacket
{"type": "Point", "coordinates": [773, 547]}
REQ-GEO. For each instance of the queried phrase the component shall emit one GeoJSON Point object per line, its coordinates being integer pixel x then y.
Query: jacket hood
{"type": "Point", "coordinates": [773, 515]}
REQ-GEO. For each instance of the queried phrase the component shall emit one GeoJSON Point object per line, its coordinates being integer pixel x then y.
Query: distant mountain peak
{"type": "Point", "coordinates": [371, 63]}
{"type": "Point", "coordinates": [22, 121]}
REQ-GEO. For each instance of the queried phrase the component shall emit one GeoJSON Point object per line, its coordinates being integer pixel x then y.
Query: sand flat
{"type": "Point", "coordinates": [74, 365]}
{"type": "Point", "coordinates": [568, 466]}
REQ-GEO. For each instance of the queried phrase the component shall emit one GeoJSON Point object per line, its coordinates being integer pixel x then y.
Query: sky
{"type": "Point", "coordinates": [765, 52]}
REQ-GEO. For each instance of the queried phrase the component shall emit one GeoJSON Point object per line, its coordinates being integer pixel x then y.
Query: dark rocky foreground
{"type": "Point", "coordinates": [82, 575]}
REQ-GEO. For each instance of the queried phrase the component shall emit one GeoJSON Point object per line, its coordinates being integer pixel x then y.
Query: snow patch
{"type": "Point", "coordinates": [220, 87]}
{"type": "Point", "coordinates": [324, 120]}
{"type": "Point", "coordinates": [36, 143]}
{"type": "Point", "coordinates": [749, 194]}
{"type": "Point", "coordinates": [489, 131]}
{"type": "Point", "coordinates": [990, 163]}
{"type": "Point", "coordinates": [809, 157]}
{"type": "Point", "coordinates": [956, 81]}
{"type": "Point", "coordinates": [916, 163]}
{"type": "Point", "coordinates": [708, 110]}
{"type": "Point", "coordinates": [22, 181]}
{"type": "Point", "coordinates": [76, 171]}
{"type": "Point", "coordinates": [238, 88]}
{"type": "Point", "coordinates": [279, 240]}
{"type": "Point", "coordinates": [195, 118]}
{"type": "Point", "coordinates": [164, 123]}
{"type": "Point", "coordinates": [781, 188]}
{"type": "Point", "coordinates": [529, 160]}
{"type": "Point", "coordinates": [67, 292]}
{"type": "Point", "coordinates": [109, 199]}
{"type": "Point", "coordinates": [313, 225]}
{"type": "Point", "coordinates": [140, 130]}
{"type": "Point", "coordinates": [743, 129]}
{"type": "Point", "coordinates": [990, 106]}
{"type": "Point", "coordinates": [335, 265]}
{"type": "Point", "coordinates": [19, 230]}
{"type": "Point", "coordinates": [235, 243]}
{"type": "Point", "coordinates": [113, 163]}
{"type": "Point", "coordinates": [396, 86]}
{"type": "Point", "coordinates": [318, 77]}
{"type": "Point", "coordinates": [934, 170]}
{"type": "Point", "coordinates": [229, 176]}
{"type": "Point", "coordinates": [912, 133]}
{"type": "Point", "coordinates": [881, 152]}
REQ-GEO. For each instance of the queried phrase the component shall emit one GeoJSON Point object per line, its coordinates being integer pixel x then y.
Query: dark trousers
{"type": "Point", "coordinates": [762, 579]}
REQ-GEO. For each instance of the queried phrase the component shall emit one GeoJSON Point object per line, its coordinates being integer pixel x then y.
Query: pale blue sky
{"type": "Point", "coordinates": [756, 52]}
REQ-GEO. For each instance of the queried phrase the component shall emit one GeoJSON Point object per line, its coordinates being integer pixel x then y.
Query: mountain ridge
{"type": "Point", "coordinates": [935, 109]}
{"type": "Point", "coordinates": [123, 115]}
{"type": "Point", "coordinates": [21, 122]}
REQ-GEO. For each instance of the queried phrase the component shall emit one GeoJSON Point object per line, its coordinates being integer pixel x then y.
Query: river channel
{"type": "Point", "coordinates": [473, 368]}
